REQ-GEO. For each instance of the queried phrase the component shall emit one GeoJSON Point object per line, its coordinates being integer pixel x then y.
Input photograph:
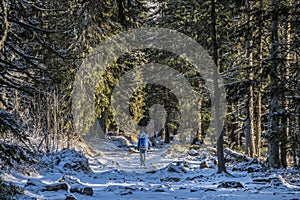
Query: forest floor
{"type": "Point", "coordinates": [172, 172]}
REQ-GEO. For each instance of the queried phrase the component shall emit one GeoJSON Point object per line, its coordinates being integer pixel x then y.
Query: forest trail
{"type": "Point", "coordinates": [172, 172]}
{"type": "Point", "coordinates": [130, 162]}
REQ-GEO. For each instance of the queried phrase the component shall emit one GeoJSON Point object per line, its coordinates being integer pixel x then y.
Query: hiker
{"type": "Point", "coordinates": [142, 146]}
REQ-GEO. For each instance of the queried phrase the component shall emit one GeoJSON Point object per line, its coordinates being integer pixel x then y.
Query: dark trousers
{"type": "Point", "coordinates": [143, 157]}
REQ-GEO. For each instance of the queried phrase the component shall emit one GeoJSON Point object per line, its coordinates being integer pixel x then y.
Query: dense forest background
{"type": "Point", "coordinates": [255, 45]}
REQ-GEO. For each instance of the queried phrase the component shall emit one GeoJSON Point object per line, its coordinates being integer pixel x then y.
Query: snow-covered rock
{"type": "Point", "coordinates": [66, 160]}
{"type": "Point", "coordinates": [231, 184]}
{"type": "Point", "coordinates": [193, 152]}
{"type": "Point", "coordinates": [253, 166]}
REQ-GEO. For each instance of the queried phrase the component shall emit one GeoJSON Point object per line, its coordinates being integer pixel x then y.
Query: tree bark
{"type": "Point", "coordinates": [273, 121]}
{"type": "Point", "coordinates": [250, 148]}
{"type": "Point", "coordinates": [218, 128]}
{"type": "Point", "coordinates": [259, 92]}
{"type": "Point", "coordinates": [296, 136]}
{"type": "Point", "coordinates": [198, 136]}
{"type": "Point", "coordinates": [167, 134]}
{"type": "Point", "coordinates": [286, 74]}
{"type": "Point", "coordinates": [258, 126]}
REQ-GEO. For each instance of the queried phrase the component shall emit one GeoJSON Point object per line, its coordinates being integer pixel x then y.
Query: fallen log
{"type": "Point", "coordinates": [56, 187]}
{"type": "Point", "coordinates": [239, 156]}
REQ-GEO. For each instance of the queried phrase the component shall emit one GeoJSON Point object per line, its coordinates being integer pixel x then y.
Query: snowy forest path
{"type": "Point", "coordinates": [130, 162]}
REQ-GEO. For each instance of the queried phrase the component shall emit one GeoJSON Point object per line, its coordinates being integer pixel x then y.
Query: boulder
{"type": "Point", "coordinates": [204, 165]}
{"type": "Point", "coordinates": [193, 152]}
{"type": "Point", "coordinates": [82, 190]}
{"type": "Point", "coordinates": [231, 184]}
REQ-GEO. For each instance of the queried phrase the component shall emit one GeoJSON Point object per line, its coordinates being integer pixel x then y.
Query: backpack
{"type": "Point", "coordinates": [143, 142]}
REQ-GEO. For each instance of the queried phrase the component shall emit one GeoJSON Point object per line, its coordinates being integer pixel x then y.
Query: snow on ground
{"type": "Point", "coordinates": [172, 173]}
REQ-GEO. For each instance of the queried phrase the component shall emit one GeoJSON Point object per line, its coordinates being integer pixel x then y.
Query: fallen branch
{"type": "Point", "coordinates": [239, 156]}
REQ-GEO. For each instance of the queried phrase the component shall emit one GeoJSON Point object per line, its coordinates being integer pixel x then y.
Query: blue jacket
{"type": "Point", "coordinates": [143, 142]}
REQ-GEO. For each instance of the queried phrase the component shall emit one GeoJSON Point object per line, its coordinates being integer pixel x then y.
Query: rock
{"type": "Point", "coordinates": [82, 190]}
{"type": "Point", "coordinates": [250, 170]}
{"type": "Point", "coordinates": [56, 187]}
{"type": "Point", "coordinates": [67, 166]}
{"type": "Point", "coordinates": [195, 177]}
{"type": "Point", "coordinates": [216, 162]}
{"type": "Point", "coordinates": [159, 190]}
{"type": "Point", "coordinates": [204, 165]}
{"type": "Point", "coordinates": [70, 197]}
{"type": "Point", "coordinates": [170, 179]}
{"type": "Point", "coordinates": [209, 189]}
{"type": "Point", "coordinates": [175, 169]}
{"type": "Point", "coordinates": [193, 152]}
{"type": "Point", "coordinates": [126, 193]}
{"type": "Point", "coordinates": [66, 159]}
{"type": "Point", "coordinates": [231, 184]}
{"type": "Point", "coordinates": [88, 191]}
{"type": "Point", "coordinates": [262, 180]}
{"type": "Point", "coordinates": [151, 171]}
{"type": "Point", "coordinates": [211, 150]}
{"type": "Point", "coordinates": [130, 188]}
{"type": "Point", "coordinates": [245, 166]}
{"type": "Point", "coordinates": [154, 166]}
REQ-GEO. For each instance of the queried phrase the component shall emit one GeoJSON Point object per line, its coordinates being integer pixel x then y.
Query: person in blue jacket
{"type": "Point", "coordinates": [142, 146]}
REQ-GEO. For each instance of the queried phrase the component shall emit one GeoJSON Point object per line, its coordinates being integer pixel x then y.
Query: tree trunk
{"type": "Point", "coordinates": [249, 56]}
{"type": "Point", "coordinates": [273, 121]}
{"type": "Point", "coordinates": [259, 93]}
{"type": "Point", "coordinates": [286, 74]}
{"type": "Point", "coordinates": [297, 139]}
{"type": "Point", "coordinates": [167, 134]}
{"type": "Point", "coordinates": [198, 136]}
{"type": "Point", "coordinates": [102, 123]}
{"type": "Point", "coordinates": [258, 126]}
{"type": "Point", "coordinates": [218, 128]}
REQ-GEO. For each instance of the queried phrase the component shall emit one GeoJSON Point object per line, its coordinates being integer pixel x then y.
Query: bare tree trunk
{"type": "Point", "coordinates": [167, 134]}
{"type": "Point", "coordinates": [258, 126]}
{"type": "Point", "coordinates": [297, 139]}
{"type": "Point", "coordinates": [218, 129]}
{"type": "Point", "coordinates": [286, 75]}
{"type": "Point", "coordinates": [273, 121]}
{"type": "Point", "coordinates": [259, 93]}
{"type": "Point", "coordinates": [55, 119]}
{"type": "Point", "coordinates": [250, 148]}
{"type": "Point", "coordinates": [198, 136]}
{"type": "Point", "coordinates": [48, 129]}
{"type": "Point", "coordinates": [102, 123]}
